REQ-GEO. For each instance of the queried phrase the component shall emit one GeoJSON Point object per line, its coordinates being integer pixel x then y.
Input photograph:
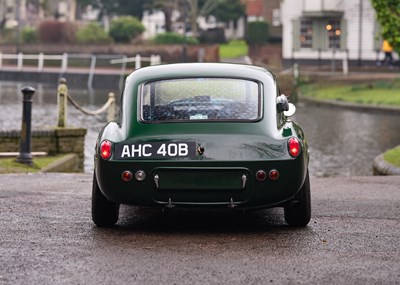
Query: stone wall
{"type": "Point", "coordinates": [53, 141]}
{"type": "Point", "coordinates": [268, 54]}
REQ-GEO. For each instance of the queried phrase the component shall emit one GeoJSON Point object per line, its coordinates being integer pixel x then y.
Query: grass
{"type": "Point", "coordinates": [233, 49]}
{"type": "Point", "coordinates": [9, 165]}
{"type": "Point", "coordinates": [375, 93]}
{"type": "Point", "coordinates": [393, 156]}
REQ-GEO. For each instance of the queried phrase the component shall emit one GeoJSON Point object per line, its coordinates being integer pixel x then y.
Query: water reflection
{"type": "Point", "coordinates": [345, 142]}
{"type": "Point", "coordinates": [342, 142]}
{"type": "Point", "coordinates": [44, 111]}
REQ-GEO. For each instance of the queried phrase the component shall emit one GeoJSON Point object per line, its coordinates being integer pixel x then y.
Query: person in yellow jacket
{"type": "Point", "coordinates": [388, 50]}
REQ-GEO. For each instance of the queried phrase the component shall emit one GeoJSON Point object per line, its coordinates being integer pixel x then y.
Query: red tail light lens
{"type": "Point", "coordinates": [294, 147]}
{"type": "Point", "coordinates": [127, 176]}
{"type": "Point", "coordinates": [273, 175]}
{"type": "Point", "coordinates": [261, 175]}
{"type": "Point", "coordinates": [105, 149]}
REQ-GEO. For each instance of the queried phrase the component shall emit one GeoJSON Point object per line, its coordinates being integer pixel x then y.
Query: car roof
{"type": "Point", "coordinates": [180, 70]}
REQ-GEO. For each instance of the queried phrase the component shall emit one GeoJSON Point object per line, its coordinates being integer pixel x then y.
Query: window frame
{"type": "Point", "coordinates": [320, 37]}
{"type": "Point", "coordinates": [260, 108]}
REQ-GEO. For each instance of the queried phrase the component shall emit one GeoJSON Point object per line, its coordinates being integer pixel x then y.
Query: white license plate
{"type": "Point", "coordinates": [155, 150]}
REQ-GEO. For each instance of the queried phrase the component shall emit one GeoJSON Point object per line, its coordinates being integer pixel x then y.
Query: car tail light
{"type": "Point", "coordinates": [261, 175]}
{"type": "Point", "coordinates": [294, 147]}
{"type": "Point", "coordinates": [127, 176]}
{"type": "Point", "coordinates": [273, 175]}
{"type": "Point", "coordinates": [105, 149]}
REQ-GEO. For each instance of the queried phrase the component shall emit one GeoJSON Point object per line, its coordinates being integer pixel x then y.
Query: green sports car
{"type": "Point", "coordinates": [211, 135]}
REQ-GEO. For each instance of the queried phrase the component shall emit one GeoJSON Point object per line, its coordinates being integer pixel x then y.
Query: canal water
{"type": "Point", "coordinates": [342, 142]}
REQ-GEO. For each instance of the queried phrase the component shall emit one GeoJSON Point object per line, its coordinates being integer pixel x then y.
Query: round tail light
{"type": "Point", "coordinates": [294, 147]}
{"type": "Point", "coordinates": [273, 175]}
{"type": "Point", "coordinates": [127, 176]}
{"type": "Point", "coordinates": [261, 175]}
{"type": "Point", "coordinates": [105, 149]}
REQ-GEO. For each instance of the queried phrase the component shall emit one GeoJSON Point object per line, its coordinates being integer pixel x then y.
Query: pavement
{"type": "Point", "coordinates": [47, 237]}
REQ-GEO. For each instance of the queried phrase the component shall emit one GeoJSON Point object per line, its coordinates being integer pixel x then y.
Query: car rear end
{"type": "Point", "coordinates": [209, 141]}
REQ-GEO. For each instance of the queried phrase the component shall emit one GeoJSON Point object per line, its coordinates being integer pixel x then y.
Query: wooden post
{"type": "Point", "coordinates": [62, 93]}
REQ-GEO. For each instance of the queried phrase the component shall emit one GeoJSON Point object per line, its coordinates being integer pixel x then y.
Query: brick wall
{"type": "Point", "coordinates": [53, 141]}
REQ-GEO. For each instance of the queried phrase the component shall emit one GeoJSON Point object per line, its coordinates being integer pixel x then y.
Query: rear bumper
{"type": "Point", "coordinates": [200, 183]}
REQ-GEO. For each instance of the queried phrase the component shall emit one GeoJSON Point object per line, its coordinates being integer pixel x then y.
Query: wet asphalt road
{"type": "Point", "coordinates": [47, 237]}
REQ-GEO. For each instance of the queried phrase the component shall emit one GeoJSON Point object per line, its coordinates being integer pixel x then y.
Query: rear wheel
{"type": "Point", "coordinates": [104, 212]}
{"type": "Point", "coordinates": [299, 214]}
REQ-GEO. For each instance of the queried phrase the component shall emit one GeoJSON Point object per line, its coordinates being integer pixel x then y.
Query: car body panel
{"type": "Point", "coordinates": [201, 163]}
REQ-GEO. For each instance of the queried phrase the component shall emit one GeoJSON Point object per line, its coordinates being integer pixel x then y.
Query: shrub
{"type": "Point", "coordinates": [8, 36]}
{"type": "Point", "coordinates": [174, 38]}
{"type": "Point", "coordinates": [257, 32]}
{"type": "Point", "coordinates": [52, 31]}
{"type": "Point", "coordinates": [92, 33]}
{"type": "Point", "coordinates": [29, 35]}
{"type": "Point", "coordinates": [124, 29]}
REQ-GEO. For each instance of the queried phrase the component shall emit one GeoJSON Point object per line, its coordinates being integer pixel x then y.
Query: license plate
{"type": "Point", "coordinates": [155, 150]}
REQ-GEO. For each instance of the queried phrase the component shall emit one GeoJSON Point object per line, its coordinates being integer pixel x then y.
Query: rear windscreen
{"type": "Point", "coordinates": [199, 99]}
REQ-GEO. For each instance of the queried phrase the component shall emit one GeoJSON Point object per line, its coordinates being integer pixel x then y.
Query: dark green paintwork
{"type": "Point", "coordinates": [231, 149]}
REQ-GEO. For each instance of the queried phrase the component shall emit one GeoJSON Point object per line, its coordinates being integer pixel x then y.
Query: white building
{"type": "Point", "coordinates": [318, 30]}
{"type": "Point", "coordinates": [154, 22]}
{"type": "Point", "coordinates": [17, 12]}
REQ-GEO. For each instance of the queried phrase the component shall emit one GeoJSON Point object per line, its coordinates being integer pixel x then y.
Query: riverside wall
{"type": "Point", "coordinates": [52, 140]}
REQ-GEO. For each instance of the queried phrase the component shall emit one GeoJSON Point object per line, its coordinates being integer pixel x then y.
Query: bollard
{"type": "Point", "coordinates": [111, 108]}
{"type": "Point", "coordinates": [25, 146]}
{"type": "Point", "coordinates": [62, 93]}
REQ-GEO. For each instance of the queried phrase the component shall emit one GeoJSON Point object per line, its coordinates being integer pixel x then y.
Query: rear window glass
{"type": "Point", "coordinates": [199, 99]}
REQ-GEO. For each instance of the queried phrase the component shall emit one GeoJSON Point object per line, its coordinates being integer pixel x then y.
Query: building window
{"type": "Point", "coordinates": [334, 32]}
{"type": "Point", "coordinates": [320, 33]}
{"type": "Point", "coordinates": [306, 33]}
{"type": "Point", "coordinates": [276, 17]}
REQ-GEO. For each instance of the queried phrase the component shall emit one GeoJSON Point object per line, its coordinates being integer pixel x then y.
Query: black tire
{"type": "Point", "coordinates": [104, 212]}
{"type": "Point", "coordinates": [299, 214]}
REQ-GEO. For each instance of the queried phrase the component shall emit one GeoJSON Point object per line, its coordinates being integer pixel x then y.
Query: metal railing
{"type": "Point", "coordinates": [65, 66]}
{"type": "Point", "coordinates": [153, 59]}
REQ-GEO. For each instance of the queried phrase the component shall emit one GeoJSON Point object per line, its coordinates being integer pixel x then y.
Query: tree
{"type": "Point", "coordinates": [197, 8]}
{"type": "Point", "coordinates": [229, 10]}
{"type": "Point", "coordinates": [388, 15]}
{"type": "Point", "coordinates": [257, 32]}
